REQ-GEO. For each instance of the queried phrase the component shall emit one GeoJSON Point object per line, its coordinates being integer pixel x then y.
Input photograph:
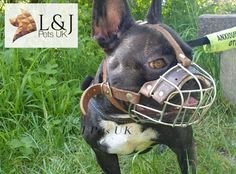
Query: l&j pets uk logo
{"type": "Point", "coordinates": [41, 26]}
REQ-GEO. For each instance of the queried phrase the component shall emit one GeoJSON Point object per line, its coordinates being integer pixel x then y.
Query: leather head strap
{"type": "Point", "coordinates": [110, 92]}
{"type": "Point", "coordinates": [104, 70]}
{"type": "Point", "coordinates": [181, 57]}
{"type": "Point", "coordinates": [111, 99]}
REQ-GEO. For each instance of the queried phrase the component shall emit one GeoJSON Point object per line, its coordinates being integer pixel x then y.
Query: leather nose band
{"type": "Point", "coordinates": [160, 89]}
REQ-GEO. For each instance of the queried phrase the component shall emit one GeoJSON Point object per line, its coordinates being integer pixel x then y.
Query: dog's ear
{"type": "Point", "coordinates": [86, 83]}
{"type": "Point", "coordinates": [154, 15]}
{"type": "Point", "coordinates": [111, 18]}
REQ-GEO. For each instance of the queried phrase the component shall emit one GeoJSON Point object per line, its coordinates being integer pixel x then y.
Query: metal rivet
{"type": "Point", "coordinates": [149, 87]}
{"type": "Point", "coordinates": [182, 56]}
{"type": "Point", "coordinates": [129, 97]}
{"type": "Point", "coordinates": [161, 93]}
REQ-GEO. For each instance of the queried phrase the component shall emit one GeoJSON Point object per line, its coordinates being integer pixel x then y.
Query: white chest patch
{"type": "Point", "coordinates": [126, 138]}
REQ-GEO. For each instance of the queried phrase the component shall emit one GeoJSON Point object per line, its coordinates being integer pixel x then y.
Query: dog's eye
{"type": "Point", "coordinates": [157, 64]}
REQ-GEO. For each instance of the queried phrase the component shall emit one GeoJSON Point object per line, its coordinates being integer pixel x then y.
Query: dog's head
{"type": "Point", "coordinates": [135, 53]}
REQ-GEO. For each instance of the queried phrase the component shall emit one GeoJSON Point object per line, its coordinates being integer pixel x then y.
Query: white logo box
{"type": "Point", "coordinates": [57, 25]}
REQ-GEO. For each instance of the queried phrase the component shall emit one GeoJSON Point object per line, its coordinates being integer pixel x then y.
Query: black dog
{"type": "Point", "coordinates": [135, 54]}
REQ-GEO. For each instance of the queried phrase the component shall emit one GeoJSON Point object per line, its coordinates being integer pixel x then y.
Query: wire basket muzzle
{"type": "Point", "coordinates": [184, 94]}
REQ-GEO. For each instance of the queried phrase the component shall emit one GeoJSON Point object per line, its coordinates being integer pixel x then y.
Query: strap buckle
{"type": "Point", "coordinates": [106, 89]}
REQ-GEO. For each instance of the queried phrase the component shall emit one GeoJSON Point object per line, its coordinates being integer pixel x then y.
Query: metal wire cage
{"type": "Point", "coordinates": [183, 106]}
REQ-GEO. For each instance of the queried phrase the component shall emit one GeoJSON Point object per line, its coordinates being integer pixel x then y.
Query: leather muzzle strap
{"type": "Point", "coordinates": [105, 89]}
{"type": "Point", "coordinates": [111, 99]}
{"type": "Point", "coordinates": [180, 56]}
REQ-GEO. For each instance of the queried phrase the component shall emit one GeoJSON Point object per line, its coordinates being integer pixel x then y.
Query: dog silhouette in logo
{"type": "Point", "coordinates": [25, 23]}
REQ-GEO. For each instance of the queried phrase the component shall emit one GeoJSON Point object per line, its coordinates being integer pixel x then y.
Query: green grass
{"type": "Point", "coordinates": [40, 115]}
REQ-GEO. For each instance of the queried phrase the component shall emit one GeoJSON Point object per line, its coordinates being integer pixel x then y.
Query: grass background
{"type": "Point", "coordinates": [39, 103]}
